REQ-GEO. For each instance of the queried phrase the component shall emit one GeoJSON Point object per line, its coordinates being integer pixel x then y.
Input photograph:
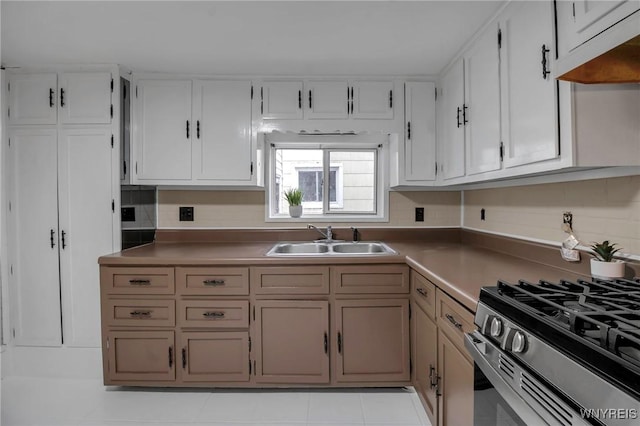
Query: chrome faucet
{"type": "Point", "coordinates": [328, 234]}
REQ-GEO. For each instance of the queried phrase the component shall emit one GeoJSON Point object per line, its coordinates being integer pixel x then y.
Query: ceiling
{"type": "Point", "coordinates": [243, 37]}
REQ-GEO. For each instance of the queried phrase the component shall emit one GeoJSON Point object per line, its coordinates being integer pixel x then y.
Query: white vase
{"type": "Point", "coordinates": [295, 211]}
{"type": "Point", "coordinates": [607, 270]}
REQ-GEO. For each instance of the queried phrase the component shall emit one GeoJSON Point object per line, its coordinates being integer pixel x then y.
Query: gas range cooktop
{"type": "Point", "coordinates": [596, 323]}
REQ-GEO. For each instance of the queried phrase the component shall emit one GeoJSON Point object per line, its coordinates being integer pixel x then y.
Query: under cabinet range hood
{"type": "Point", "coordinates": [618, 65]}
{"type": "Point", "coordinates": [612, 56]}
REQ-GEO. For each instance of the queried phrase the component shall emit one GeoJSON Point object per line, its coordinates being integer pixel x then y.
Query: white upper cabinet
{"type": "Point", "coordinates": [372, 99]}
{"type": "Point", "coordinates": [481, 110]}
{"type": "Point", "coordinates": [450, 126]}
{"type": "Point", "coordinates": [163, 130]}
{"type": "Point", "coordinates": [528, 89]}
{"type": "Point", "coordinates": [33, 98]}
{"type": "Point", "coordinates": [82, 97]}
{"type": "Point", "coordinates": [281, 100]}
{"type": "Point", "coordinates": [85, 97]}
{"type": "Point", "coordinates": [223, 136]}
{"type": "Point", "coordinates": [326, 99]}
{"type": "Point", "coordinates": [589, 18]}
{"type": "Point", "coordinates": [420, 132]}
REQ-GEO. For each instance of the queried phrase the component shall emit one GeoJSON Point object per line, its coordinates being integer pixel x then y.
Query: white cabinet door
{"type": "Point", "coordinates": [481, 111]}
{"type": "Point", "coordinates": [451, 127]}
{"type": "Point", "coordinates": [529, 109]}
{"type": "Point", "coordinates": [590, 17]}
{"type": "Point", "coordinates": [85, 98]}
{"type": "Point", "coordinates": [32, 98]}
{"type": "Point", "coordinates": [222, 145]}
{"type": "Point", "coordinates": [326, 99]}
{"type": "Point", "coordinates": [372, 99]}
{"type": "Point", "coordinates": [85, 176]}
{"type": "Point", "coordinates": [34, 214]}
{"type": "Point", "coordinates": [281, 100]}
{"type": "Point", "coordinates": [420, 132]}
{"type": "Point", "coordinates": [163, 130]}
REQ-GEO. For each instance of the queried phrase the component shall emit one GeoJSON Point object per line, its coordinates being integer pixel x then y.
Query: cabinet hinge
{"type": "Point", "coordinates": [9, 112]}
{"type": "Point", "coordinates": [111, 110]}
{"type": "Point", "coordinates": [11, 269]}
{"type": "Point", "coordinates": [9, 206]}
{"type": "Point", "coordinates": [9, 86]}
{"type": "Point", "coordinates": [501, 151]}
{"type": "Point", "coordinates": [249, 344]}
{"type": "Point", "coordinates": [499, 38]}
{"type": "Point", "coordinates": [436, 168]}
{"type": "Point", "coordinates": [251, 92]}
{"type": "Point", "coordinates": [251, 168]}
{"type": "Point", "coordinates": [111, 141]}
{"type": "Point", "coordinates": [436, 93]}
{"type": "Point", "coordinates": [254, 313]}
{"type": "Point", "coordinates": [409, 310]}
{"type": "Point", "coordinates": [136, 91]}
{"type": "Point", "coordinates": [113, 206]}
{"type": "Point", "coordinates": [249, 367]}
{"type": "Point", "coordinates": [112, 85]}
{"type": "Point", "coordinates": [573, 7]}
{"type": "Point", "coordinates": [136, 168]}
{"type": "Point", "coordinates": [261, 101]}
{"type": "Point", "coordinates": [410, 366]}
{"type": "Point", "coordinates": [255, 373]}
{"type": "Point", "coordinates": [9, 142]}
{"type": "Point", "coordinates": [13, 332]}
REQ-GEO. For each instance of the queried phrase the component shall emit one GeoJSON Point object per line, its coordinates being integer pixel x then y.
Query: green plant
{"type": "Point", "coordinates": [604, 251]}
{"type": "Point", "coordinates": [293, 196]}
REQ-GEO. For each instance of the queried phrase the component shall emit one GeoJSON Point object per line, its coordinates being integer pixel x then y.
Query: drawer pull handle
{"type": "Point", "coordinates": [326, 343]}
{"type": "Point", "coordinates": [453, 321]}
{"type": "Point", "coordinates": [422, 291]}
{"type": "Point", "coordinates": [140, 282]}
{"type": "Point", "coordinates": [213, 282]}
{"type": "Point", "coordinates": [339, 342]}
{"type": "Point", "coordinates": [140, 314]}
{"type": "Point", "coordinates": [213, 314]}
{"type": "Point", "coordinates": [432, 377]}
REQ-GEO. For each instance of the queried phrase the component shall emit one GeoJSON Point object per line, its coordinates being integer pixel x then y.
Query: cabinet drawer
{"type": "Point", "coordinates": [214, 281]}
{"type": "Point", "coordinates": [213, 313]}
{"type": "Point", "coordinates": [141, 313]}
{"type": "Point", "coordinates": [370, 279]}
{"type": "Point", "coordinates": [454, 320]}
{"type": "Point", "coordinates": [424, 293]}
{"type": "Point", "coordinates": [290, 280]}
{"type": "Point", "coordinates": [137, 280]}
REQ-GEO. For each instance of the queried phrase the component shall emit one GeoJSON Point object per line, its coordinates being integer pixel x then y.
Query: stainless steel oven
{"type": "Point", "coordinates": [560, 354]}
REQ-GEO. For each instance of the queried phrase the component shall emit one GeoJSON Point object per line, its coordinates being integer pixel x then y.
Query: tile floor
{"type": "Point", "coordinates": [54, 402]}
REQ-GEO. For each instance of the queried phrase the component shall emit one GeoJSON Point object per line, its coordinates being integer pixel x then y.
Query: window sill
{"type": "Point", "coordinates": [338, 218]}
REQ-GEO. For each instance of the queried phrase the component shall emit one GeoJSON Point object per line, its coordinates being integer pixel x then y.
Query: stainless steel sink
{"type": "Point", "coordinates": [360, 248]}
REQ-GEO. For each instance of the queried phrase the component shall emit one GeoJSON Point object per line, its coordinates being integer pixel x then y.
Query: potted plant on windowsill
{"type": "Point", "coordinates": [294, 198]}
{"type": "Point", "coordinates": [603, 265]}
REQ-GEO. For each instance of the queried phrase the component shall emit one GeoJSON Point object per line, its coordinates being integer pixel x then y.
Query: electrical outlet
{"type": "Point", "coordinates": [128, 214]}
{"type": "Point", "coordinates": [419, 214]}
{"type": "Point", "coordinates": [483, 214]}
{"type": "Point", "coordinates": [186, 214]}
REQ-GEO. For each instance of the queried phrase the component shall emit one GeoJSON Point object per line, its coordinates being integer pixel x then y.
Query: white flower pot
{"type": "Point", "coordinates": [607, 270]}
{"type": "Point", "coordinates": [295, 211]}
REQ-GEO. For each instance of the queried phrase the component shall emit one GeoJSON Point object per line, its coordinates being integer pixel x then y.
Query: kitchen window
{"type": "Point", "coordinates": [338, 181]}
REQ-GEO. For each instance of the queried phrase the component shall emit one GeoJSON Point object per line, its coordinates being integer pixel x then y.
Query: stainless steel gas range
{"type": "Point", "coordinates": [565, 353]}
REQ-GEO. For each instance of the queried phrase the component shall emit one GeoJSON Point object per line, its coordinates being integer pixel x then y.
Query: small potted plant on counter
{"type": "Point", "coordinates": [294, 198]}
{"type": "Point", "coordinates": [603, 265]}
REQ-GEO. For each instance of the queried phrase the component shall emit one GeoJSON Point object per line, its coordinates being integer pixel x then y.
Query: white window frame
{"type": "Point", "coordinates": [339, 192]}
{"type": "Point", "coordinates": [377, 142]}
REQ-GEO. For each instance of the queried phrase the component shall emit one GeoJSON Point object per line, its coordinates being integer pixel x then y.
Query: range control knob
{"type": "Point", "coordinates": [519, 342]}
{"type": "Point", "coordinates": [496, 327]}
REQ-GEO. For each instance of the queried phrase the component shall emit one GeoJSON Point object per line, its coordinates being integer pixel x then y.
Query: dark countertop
{"type": "Point", "coordinates": [458, 269]}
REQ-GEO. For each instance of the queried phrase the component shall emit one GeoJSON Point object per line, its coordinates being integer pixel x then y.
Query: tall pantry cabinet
{"type": "Point", "coordinates": [63, 185]}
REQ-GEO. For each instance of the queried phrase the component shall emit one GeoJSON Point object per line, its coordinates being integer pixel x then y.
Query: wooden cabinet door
{"type": "Point", "coordinates": [481, 111]}
{"type": "Point", "coordinates": [214, 356]}
{"type": "Point", "coordinates": [144, 356]}
{"type": "Point", "coordinates": [222, 130]}
{"type": "Point", "coordinates": [33, 98]}
{"type": "Point", "coordinates": [326, 99]}
{"type": "Point", "coordinates": [292, 339]}
{"type": "Point", "coordinates": [451, 130]}
{"type": "Point", "coordinates": [35, 282]}
{"type": "Point", "coordinates": [372, 340]}
{"type": "Point", "coordinates": [372, 99]}
{"type": "Point", "coordinates": [163, 130]}
{"type": "Point", "coordinates": [85, 98]}
{"type": "Point", "coordinates": [85, 192]}
{"type": "Point", "coordinates": [528, 93]}
{"type": "Point", "coordinates": [455, 406]}
{"type": "Point", "coordinates": [420, 132]}
{"type": "Point", "coordinates": [281, 100]}
{"type": "Point", "coordinates": [425, 337]}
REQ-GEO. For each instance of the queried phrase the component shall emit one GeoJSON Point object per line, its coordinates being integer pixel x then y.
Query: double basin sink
{"type": "Point", "coordinates": [331, 248]}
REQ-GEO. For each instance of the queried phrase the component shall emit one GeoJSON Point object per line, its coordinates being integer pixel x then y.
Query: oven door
{"type": "Point", "coordinates": [505, 393]}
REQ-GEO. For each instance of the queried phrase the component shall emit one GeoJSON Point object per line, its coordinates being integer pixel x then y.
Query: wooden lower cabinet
{"type": "Point", "coordinates": [372, 340]}
{"type": "Point", "coordinates": [140, 356]}
{"type": "Point", "coordinates": [425, 362]}
{"type": "Point", "coordinates": [209, 356]}
{"type": "Point", "coordinates": [292, 338]}
{"type": "Point", "coordinates": [455, 385]}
